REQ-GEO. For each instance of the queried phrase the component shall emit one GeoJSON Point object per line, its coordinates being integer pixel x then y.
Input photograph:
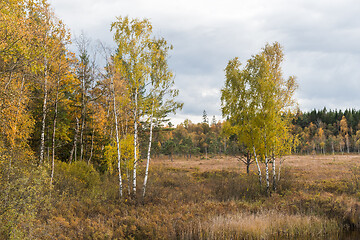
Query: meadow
{"type": "Point", "coordinates": [318, 197]}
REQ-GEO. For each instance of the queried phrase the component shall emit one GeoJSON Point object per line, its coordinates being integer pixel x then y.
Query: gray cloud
{"type": "Point", "coordinates": [320, 38]}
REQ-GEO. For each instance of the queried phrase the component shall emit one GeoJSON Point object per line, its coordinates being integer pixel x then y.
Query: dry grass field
{"type": "Point", "coordinates": [317, 197]}
{"type": "Point", "coordinates": [304, 167]}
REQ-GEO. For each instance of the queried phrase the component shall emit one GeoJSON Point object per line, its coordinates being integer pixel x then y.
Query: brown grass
{"type": "Point", "coordinates": [200, 163]}
{"type": "Point", "coordinates": [267, 225]}
{"type": "Point", "coordinates": [197, 198]}
{"type": "Point", "coordinates": [306, 168]}
{"type": "Point", "coordinates": [322, 167]}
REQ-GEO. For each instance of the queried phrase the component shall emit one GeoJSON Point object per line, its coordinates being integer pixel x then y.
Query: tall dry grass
{"type": "Point", "coordinates": [264, 225]}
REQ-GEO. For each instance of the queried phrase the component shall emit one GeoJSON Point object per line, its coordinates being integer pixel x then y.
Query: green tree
{"type": "Point", "coordinates": [205, 117]}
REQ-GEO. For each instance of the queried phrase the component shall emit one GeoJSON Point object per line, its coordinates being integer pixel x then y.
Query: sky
{"type": "Point", "coordinates": [321, 41]}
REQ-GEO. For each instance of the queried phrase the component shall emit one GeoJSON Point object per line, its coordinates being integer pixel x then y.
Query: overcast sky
{"type": "Point", "coordinates": [321, 41]}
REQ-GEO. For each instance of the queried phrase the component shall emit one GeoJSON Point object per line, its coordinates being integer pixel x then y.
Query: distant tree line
{"type": "Point", "coordinates": [327, 131]}
{"type": "Point", "coordinates": [314, 132]}
{"type": "Point", "coordinates": [188, 139]}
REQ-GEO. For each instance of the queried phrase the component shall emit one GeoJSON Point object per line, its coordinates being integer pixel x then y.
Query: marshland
{"type": "Point", "coordinates": [88, 149]}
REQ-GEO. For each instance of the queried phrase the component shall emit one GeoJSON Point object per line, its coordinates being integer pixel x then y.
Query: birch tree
{"type": "Point", "coordinates": [133, 39]}
{"type": "Point", "coordinates": [61, 72]}
{"type": "Point", "coordinates": [257, 99]}
{"type": "Point", "coordinates": [142, 62]}
{"type": "Point", "coordinates": [47, 31]}
{"type": "Point", "coordinates": [162, 93]}
{"type": "Point", "coordinates": [86, 76]}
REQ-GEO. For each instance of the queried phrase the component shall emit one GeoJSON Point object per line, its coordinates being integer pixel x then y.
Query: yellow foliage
{"type": "Point", "coordinates": [126, 151]}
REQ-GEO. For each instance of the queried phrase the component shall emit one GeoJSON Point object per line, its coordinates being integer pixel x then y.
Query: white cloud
{"type": "Point", "coordinates": [213, 92]}
{"type": "Point", "coordinates": [320, 38]}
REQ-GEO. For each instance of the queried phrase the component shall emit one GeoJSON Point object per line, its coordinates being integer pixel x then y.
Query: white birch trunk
{"type": "Point", "coordinates": [258, 166]}
{"type": "Point", "coordinates": [73, 152]}
{"type": "Point", "coordinates": [82, 139]}
{"type": "Point", "coordinates": [274, 174]}
{"type": "Point", "coordinates": [135, 141]}
{"type": "Point", "coordinates": [267, 174]}
{"type": "Point", "coordinates": [82, 131]}
{"type": "Point", "coordinates": [54, 133]}
{"type": "Point", "coordinates": [92, 146]}
{"type": "Point", "coordinates": [149, 151]}
{"type": "Point", "coordinates": [117, 141]}
{"type": "Point", "coordinates": [83, 113]}
{"type": "Point", "coordinates": [267, 168]}
{"type": "Point", "coordinates": [42, 141]}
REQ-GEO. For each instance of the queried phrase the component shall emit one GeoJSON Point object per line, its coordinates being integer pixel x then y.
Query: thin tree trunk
{"type": "Point", "coordinates": [135, 141]}
{"type": "Point", "coordinates": [258, 166]}
{"type": "Point", "coordinates": [149, 151]}
{"type": "Point", "coordinates": [42, 142]}
{"type": "Point", "coordinates": [8, 83]}
{"type": "Point", "coordinates": [124, 130]}
{"type": "Point", "coordinates": [54, 133]}
{"type": "Point", "coordinates": [92, 146]}
{"type": "Point", "coordinates": [332, 147]}
{"type": "Point", "coordinates": [21, 94]}
{"type": "Point", "coordinates": [73, 152]}
{"type": "Point", "coordinates": [48, 153]}
{"type": "Point", "coordinates": [117, 141]}
{"type": "Point", "coordinates": [82, 134]}
{"type": "Point", "coordinates": [274, 174]}
{"type": "Point", "coordinates": [83, 112]}
{"type": "Point", "coordinates": [267, 175]}
{"type": "Point", "coordinates": [128, 180]}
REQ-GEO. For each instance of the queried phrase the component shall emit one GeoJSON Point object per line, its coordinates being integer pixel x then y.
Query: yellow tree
{"type": "Point", "coordinates": [133, 38]}
{"type": "Point", "coordinates": [321, 139]}
{"type": "Point", "coordinates": [344, 132]}
{"type": "Point", "coordinates": [141, 61]}
{"type": "Point", "coordinates": [161, 98]}
{"type": "Point", "coordinates": [60, 72]}
{"type": "Point", "coordinates": [48, 36]}
{"type": "Point", "coordinates": [258, 99]}
{"type": "Point", "coordinates": [357, 140]}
